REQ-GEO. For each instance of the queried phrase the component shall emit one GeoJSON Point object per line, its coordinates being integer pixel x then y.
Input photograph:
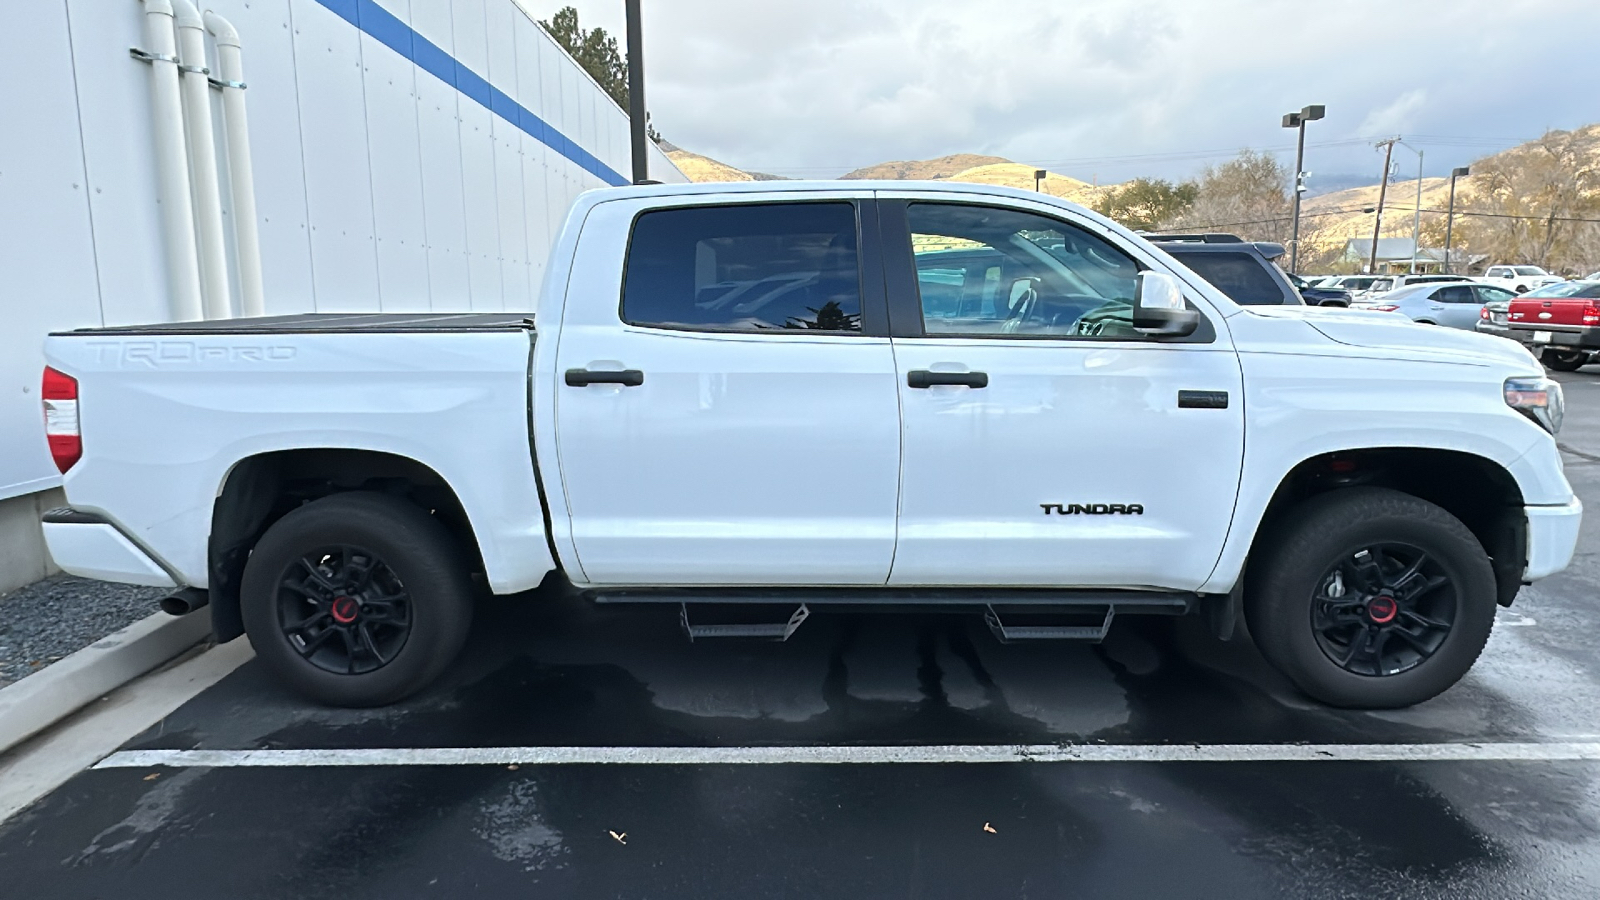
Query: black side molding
{"type": "Point", "coordinates": [66, 515]}
{"type": "Point", "coordinates": [1202, 399]}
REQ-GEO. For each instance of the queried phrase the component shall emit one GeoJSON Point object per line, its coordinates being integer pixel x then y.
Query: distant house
{"type": "Point", "coordinates": [1396, 255]}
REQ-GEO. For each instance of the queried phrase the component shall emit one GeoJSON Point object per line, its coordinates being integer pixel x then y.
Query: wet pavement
{"type": "Point", "coordinates": [559, 674]}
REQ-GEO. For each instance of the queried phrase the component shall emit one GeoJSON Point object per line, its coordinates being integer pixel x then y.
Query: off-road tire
{"type": "Point", "coordinates": [1288, 574]}
{"type": "Point", "coordinates": [423, 559]}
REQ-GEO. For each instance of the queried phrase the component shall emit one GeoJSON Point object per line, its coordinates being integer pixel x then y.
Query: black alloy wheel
{"type": "Point", "coordinates": [344, 610]}
{"type": "Point", "coordinates": [1383, 610]}
{"type": "Point", "coordinates": [357, 599]}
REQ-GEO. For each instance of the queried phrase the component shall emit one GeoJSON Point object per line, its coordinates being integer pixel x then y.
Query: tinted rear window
{"type": "Point", "coordinates": [757, 267]}
{"type": "Point", "coordinates": [1239, 275]}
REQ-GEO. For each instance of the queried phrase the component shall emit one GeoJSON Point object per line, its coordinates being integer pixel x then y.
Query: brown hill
{"type": "Point", "coordinates": [704, 168]}
{"type": "Point", "coordinates": [925, 169]}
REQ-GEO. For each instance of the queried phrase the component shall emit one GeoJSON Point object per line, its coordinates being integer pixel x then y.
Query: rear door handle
{"type": "Point", "coordinates": [922, 378]}
{"type": "Point", "coordinates": [585, 377]}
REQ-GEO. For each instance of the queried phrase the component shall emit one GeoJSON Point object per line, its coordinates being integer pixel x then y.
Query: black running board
{"type": "Point", "coordinates": [775, 614]}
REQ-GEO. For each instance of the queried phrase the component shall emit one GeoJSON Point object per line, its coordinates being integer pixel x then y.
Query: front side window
{"type": "Point", "coordinates": [988, 271]}
{"type": "Point", "coordinates": [1493, 294]}
{"type": "Point", "coordinates": [751, 268]}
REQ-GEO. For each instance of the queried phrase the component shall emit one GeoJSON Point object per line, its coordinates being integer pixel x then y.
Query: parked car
{"type": "Point", "coordinates": [1494, 318]}
{"type": "Point", "coordinates": [1560, 322]}
{"type": "Point", "coordinates": [738, 395]}
{"type": "Point", "coordinates": [1378, 286]}
{"type": "Point", "coordinates": [1520, 279]}
{"type": "Point", "coordinates": [1315, 295]}
{"type": "Point", "coordinates": [1244, 270]}
{"type": "Point", "coordinates": [1453, 305]}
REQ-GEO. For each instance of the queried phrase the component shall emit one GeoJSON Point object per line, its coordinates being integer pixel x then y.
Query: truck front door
{"type": "Point", "coordinates": [733, 421]}
{"type": "Point", "coordinates": [1045, 441]}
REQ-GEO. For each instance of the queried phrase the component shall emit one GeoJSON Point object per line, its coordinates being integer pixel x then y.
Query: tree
{"type": "Point", "coordinates": [1535, 192]}
{"type": "Point", "coordinates": [595, 50]}
{"type": "Point", "coordinates": [1143, 204]}
{"type": "Point", "coordinates": [1247, 195]}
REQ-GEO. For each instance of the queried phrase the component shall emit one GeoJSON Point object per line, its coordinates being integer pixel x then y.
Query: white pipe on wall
{"type": "Point", "coordinates": [172, 163]}
{"type": "Point", "coordinates": [203, 161]}
{"type": "Point", "coordinates": [241, 175]}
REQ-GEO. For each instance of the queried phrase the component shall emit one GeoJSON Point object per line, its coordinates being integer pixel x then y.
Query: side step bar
{"type": "Point", "coordinates": [1007, 634]}
{"type": "Point", "coordinates": [772, 631]}
{"type": "Point", "coordinates": [1013, 615]}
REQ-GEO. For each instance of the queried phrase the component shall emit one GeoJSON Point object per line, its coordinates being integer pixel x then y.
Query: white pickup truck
{"type": "Point", "coordinates": [753, 401]}
{"type": "Point", "coordinates": [1519, 279]}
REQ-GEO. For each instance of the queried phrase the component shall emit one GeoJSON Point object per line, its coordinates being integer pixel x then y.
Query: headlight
{"type": "Point", "coordinates": [1537, 398]}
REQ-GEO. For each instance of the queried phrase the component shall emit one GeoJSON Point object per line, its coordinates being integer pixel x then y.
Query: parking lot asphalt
{"type": "Point", "coordinates": [542, 673]}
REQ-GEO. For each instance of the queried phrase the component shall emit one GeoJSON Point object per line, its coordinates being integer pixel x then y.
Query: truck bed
{"type": "Point", "coordinates": [335, 323]}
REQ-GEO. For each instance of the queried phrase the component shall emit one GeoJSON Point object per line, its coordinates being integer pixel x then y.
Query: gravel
{"type": "Point", "coordinates": [49, 619]}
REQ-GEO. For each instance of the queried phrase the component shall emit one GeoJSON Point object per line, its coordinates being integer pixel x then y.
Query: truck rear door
{"type": "Point", "coordinates": [1046, 442]}
{"type": "Point", "coordinates": [727, 410]}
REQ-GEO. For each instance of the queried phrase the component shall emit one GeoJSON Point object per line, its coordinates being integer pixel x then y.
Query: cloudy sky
{"type": "Point", "coordinates": [1108, 89]}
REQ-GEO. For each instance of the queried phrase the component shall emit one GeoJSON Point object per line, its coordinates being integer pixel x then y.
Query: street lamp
{"type": "Point", "coordinates": [1450, 219]}
{"type": "Point", "coordinates": [1038, 179]}
{"type": "Point", "coordinates": [636, 115]}
{"type": "Point", "coordinates": [1416, 225]}
{"type": "Point", "coordinates": [1299, 120]}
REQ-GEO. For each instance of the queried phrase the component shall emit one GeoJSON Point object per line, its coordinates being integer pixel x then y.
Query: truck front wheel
{"type": "Point", "coordinates": [1371, 599]}
{"type": "Point", "coordinates": [356, 599]}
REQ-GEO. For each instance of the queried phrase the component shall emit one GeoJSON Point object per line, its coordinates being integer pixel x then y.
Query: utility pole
{"type": "Point", "coordinates": [1383, 190]}
{"type": "Point", "coordinates": [636, 113]}
{"type": "Point", "coordinates": [1450, 218]}
{"type": "Point", "coordinates": [1299, 120]}
{"type": "Point", "coordinates": [1416, 226]}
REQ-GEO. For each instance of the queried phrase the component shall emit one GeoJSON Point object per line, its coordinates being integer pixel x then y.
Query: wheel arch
{"type": "Point", "coordinates": [1492, 510]}
{"type": "Point", "coordinates": [260, 489]}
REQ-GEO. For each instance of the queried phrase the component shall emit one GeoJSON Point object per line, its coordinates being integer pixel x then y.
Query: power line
{"type": "Point", "coordinates": [1368, 209]}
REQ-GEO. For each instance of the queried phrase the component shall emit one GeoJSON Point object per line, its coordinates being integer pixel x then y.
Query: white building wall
{"type": "Point", "coordinates": [409, 155]}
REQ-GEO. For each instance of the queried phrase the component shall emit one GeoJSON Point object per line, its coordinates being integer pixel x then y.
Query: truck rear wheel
{"type": "Point", "coordinates": [356, 599]}
{"type": "Point", "coordinates": [1372, 599]}
{"type": "Point", "coordinates": [1564, 360]}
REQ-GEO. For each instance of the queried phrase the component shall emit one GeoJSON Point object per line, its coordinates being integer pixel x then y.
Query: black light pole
{"type": "Point", "coordinates": [636, 114]}
{"type": "Point", "coordinates": [1299, 120]}
{"type": "Point", "coordinates": [1450, 219]}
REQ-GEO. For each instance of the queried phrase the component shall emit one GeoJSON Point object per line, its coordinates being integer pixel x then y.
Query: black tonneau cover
{"type": "Point", "coordinates": [335, 323]}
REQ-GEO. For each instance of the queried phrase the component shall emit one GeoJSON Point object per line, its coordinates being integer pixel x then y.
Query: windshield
{"type": "Point", "coordinates": [1356, 282]}
{"type": "Point", "coordinates": [1529, 270]}
{"type": "Point", "coordinates": [1381, 284]}
{"type": "Point", "coordinates": [1568, 289]}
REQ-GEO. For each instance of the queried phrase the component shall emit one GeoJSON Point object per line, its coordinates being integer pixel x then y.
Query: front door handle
{"type": "Point", "coordinates": [922, 378]}
{"type": "Point", "coordinates": [585, 377]}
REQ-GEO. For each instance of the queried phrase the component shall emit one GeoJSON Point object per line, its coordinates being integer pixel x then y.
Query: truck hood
{"type": "Point", "coordinates": [1395, 335]}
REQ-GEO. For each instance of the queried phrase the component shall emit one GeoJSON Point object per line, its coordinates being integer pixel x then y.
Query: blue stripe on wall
{"type": "Point", "coordinates": [399, 37]}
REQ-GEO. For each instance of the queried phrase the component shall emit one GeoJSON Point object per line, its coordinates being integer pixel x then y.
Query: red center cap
{"type": "Point", "coordinates": [345, 609]}
{"type": "Point", "coordinates": [1381, 609]}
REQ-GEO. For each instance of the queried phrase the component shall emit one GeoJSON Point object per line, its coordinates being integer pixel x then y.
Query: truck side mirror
{"type": "Point", "coordinates": [1159, 309]}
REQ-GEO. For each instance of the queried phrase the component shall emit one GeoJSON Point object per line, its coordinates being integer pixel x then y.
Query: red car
{"type": "Point", "coordinates": [1560, 323]}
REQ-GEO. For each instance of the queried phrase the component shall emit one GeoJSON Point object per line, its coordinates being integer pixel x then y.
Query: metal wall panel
{"type": "Point", "coordinates": [388, 174]}
{"type": "Point", "coordinates": [396, 172]}
{"type": "Point", "coordinates": [338, 185]}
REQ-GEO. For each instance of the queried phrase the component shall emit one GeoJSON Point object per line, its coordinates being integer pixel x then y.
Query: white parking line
{"type": "Point", "coordinates": [835, 755]}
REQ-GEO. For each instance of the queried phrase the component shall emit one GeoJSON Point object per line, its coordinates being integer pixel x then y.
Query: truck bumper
{"type": "Point", "coordinates": [89, 545]}
{"type": "Point", "coordinates": [1559, 337]}
{"type": "Point", "coordinates": [1552, 538]}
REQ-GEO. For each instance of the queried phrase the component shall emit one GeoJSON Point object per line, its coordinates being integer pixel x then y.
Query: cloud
{"type": "Point", "coordinates": [1397, 116]}
{"type": "Point", "coordinates": [1111, 87]}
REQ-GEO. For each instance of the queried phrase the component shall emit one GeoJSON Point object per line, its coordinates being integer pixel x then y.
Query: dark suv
{"type": "Point", "coordinates": [1241, 269]}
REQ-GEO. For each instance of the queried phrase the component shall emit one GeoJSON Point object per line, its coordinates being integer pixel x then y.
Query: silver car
{"type": "Point", "coordinates": [1451, 304]}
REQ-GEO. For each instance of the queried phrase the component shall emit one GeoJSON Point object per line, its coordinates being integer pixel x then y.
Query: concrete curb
{"type": "Point", "coordinates": [62, 688]}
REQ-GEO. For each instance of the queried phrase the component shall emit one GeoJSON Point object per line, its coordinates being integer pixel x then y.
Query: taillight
{"type": "Point", "coordinates": [60, 393]}
{"type": "Point", "coordinates": [1591, 313]}
{"type": "Point", "coordinates": [1483, 314]}
{"type": "Point", "coordinates": [1384, 308]}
